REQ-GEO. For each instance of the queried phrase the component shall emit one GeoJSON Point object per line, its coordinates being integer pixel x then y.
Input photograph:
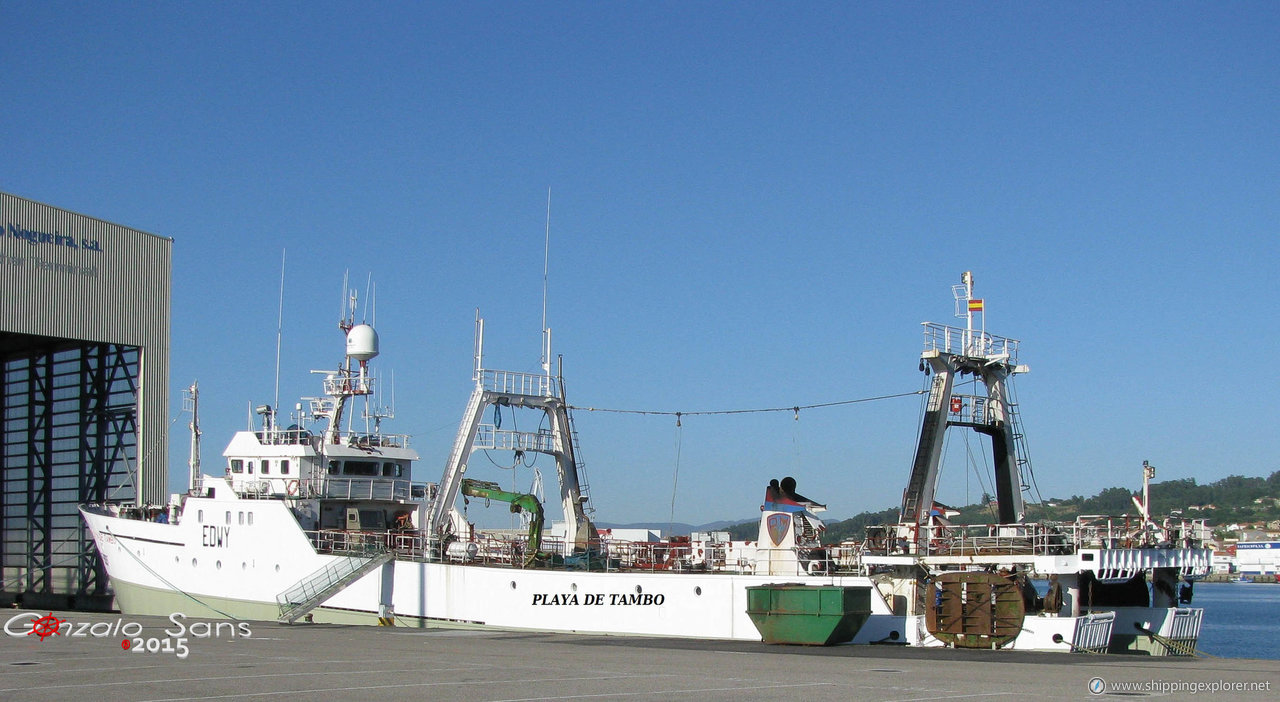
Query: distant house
{"type": "Point", "coordinates": [1224, 561]}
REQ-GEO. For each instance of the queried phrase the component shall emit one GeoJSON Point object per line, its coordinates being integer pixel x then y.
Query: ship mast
{"type": "Point", "coordinates": [191, 403]}
{"type": "Point", "coordinates": [362, 346]}
{"type": "Point", "coordinates": [952, 352]}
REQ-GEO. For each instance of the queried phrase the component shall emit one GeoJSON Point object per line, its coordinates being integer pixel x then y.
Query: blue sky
{"type": "Point", "coordinates": [754, 205]}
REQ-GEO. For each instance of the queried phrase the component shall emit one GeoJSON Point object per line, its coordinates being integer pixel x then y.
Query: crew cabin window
{"type": "Point", "coordinates": [241, 516]}
{"type": "Point", "coordinates": [228, 517]}
{"type": "Point", "coordinates": [360, 467]}
{"type": "Point", "coordinates": [266, 467]}
{"type": "Point", "coordinates": [284, 467]}
{"type": "Point", "coordinates": [251, 519]}
{"type": "Point", "coordinates": [200, 516]}
{"type": "Point", "coordinates": [334, 468]}
{"type": "Point", "coordinates": [250, 467]}
{"type": "Point", "coordinates": [391, 470]}
{"type": "Point", "coordinates": [237, 465]}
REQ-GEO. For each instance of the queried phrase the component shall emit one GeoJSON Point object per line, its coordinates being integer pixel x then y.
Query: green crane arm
{"type": "Point", "coordinates": [528, 503]}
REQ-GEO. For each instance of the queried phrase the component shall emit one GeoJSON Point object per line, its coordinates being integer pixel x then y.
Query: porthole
{"type": "Point", "coordinates": [244, 566]}
{"type": "Point", "coordinates": [513, 584]}
{"type": "Point", "coordinates": [218, 565]}
{"type": "Point", "coordinates": [697, 591]}
{"type": "Point", "coordinates": [639, 589]}
{"type": "Point", "coordinates": [193, 563]}
{"type": "Point", "coordinates": [277, 567]}
{"type": "Point", "coordinates": [573, 587]}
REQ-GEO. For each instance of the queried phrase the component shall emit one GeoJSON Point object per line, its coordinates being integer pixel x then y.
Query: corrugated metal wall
{"type": "Point", "coordinates": [66, 275]}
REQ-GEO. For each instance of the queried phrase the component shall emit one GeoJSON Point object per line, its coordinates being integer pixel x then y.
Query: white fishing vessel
{"type": "Point", "coordinates": [327, 525]}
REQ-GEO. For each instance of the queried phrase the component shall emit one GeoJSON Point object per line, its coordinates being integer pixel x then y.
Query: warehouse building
{"type": "Point", "coordinates": [84, 366]}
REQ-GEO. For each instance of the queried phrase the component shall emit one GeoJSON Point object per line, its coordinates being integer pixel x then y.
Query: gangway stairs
{"type": "Point", "coordinates": [326, 582]}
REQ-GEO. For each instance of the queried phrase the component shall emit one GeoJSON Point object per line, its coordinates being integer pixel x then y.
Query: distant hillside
{"type": "Point", "coordinates": [1234, 499]}
{"type": "Point", "coordinates": [676, 528]}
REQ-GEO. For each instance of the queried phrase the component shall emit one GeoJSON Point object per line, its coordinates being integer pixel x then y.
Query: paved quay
{"type": "Point", "coordinates": [87, 660]}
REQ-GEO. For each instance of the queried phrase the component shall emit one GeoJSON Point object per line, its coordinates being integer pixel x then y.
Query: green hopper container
{"type": "Point", "coordinates": [809, 615]}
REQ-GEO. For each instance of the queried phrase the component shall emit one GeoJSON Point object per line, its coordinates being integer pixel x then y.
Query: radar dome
{"type": "Point", "coordinates": [362, 342]}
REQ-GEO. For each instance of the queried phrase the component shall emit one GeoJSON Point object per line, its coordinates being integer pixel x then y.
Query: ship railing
{"type": "Point", "coordinates": [295, 436]}
{"type": "Point", "coordinates": [1035, 538]}
{"type": "Point", "coordinates": [513, 383]}
{"type": "Point", "coordinates": [346, 383]}
{"type": "Point", "coordinates": [367, 489]}
{"type": "Point", "coordinates": [511, 550]}
{"type": "Point", "coordinates": [1125, 531]}
{"type": "Point", "coordinates": [350, 543]}
{"type": "Point", "coordinates": [969, 342]}
{"type": "Point", "coordinates": [491, 437]}
{"type": "Point", "coordinates": [284, 437]}
{"type": "Point", "coordinates": [973, 409]}
{"type": "Point", "coordinates": [372, 441]}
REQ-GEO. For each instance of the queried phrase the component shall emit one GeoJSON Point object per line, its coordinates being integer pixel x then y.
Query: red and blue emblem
{"type": "Point", "coordinates": [778, 524]}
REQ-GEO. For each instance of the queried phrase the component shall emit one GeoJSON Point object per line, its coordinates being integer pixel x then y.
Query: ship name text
{"type": "Point", "coordinates": [217, 537]}
{"type": "Point", "coordinates": [598, 599]}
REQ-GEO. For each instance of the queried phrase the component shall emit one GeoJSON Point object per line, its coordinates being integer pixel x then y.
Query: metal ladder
{"type": "Point", "coordinates": [584, 489]}
{"type": "Point", "coordinates": [1020, 446]}
{"type": "Point", "coordinates": [326, 582]}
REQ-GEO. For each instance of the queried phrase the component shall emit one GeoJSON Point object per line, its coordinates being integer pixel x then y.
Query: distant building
{"type": "Point", "coordinates": [1224, 562]}
{"type": "Point", "coordinates": [1258, 557]}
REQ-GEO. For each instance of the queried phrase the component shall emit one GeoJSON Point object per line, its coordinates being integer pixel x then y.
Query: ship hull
{"type": "Point", "coordinates": [208, 568]}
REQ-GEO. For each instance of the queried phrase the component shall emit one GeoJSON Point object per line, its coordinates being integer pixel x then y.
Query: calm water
{"type": "Point", "coordinates": [1239, 619]}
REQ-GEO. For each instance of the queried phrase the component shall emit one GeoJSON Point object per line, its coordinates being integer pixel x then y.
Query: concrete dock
{"type": "Point", "coordinates": [88, 660]}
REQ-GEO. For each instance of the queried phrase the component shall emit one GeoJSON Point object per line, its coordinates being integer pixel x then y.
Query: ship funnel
{"type": "Point", "coordinates": [362, 342]}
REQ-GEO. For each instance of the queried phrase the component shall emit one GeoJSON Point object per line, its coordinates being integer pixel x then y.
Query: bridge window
{"type": "Point", "coordinates": [266, 467]}
{"type": "Point", "coordinates": [237, 465]}
{"type": "Point", "coordinates": [250, 467]}
{"type": "Point", "coordinates": [284, 467]}
{"type": "Point", "coordinates": [391, 470]}
{"type": "Point", "coordinates": [334, 468]}
{"type": "Point", "coordinates": [360, 468]}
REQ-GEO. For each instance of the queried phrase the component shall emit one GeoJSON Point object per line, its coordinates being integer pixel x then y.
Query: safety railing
{"type": "Point", "coordinates": [1033, 538]}
{"type": "Point", "coordinates": [365, 488]}
{"type": "Point", "coordinates": [969, 342]}
{"type": "Point", "coordinates": [489, 436]}
{"type": "Point", "coordinates": [512, 383]}
{"type": "Point", "coordinates": [511, 551]}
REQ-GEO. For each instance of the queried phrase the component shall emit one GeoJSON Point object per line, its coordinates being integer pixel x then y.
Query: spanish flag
{"type": "Point", "coordinates": [975, 305]}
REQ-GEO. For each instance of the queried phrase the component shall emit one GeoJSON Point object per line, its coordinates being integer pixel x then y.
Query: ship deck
{"type": "Point", "coordinates": [375, 663]}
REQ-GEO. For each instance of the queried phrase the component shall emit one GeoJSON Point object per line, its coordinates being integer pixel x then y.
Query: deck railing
{"type": "Point", "coordinates": [1035, 538]}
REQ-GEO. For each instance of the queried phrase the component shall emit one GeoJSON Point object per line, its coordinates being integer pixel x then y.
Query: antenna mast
{"type": "Point", "coordinates": [279, 333]}
{"type": "Point", "coordinates": [191, 403]}
{"type": "Point", "coordinates": [546, 261]}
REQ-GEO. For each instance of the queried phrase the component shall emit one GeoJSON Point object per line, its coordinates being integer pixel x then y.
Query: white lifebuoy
{"type": "Point", "coordinates": [292, 487]}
